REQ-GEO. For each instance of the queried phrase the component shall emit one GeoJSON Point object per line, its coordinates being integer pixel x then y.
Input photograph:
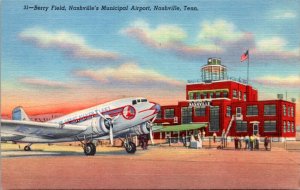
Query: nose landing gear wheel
{"type": "Point", "coordinates": [89, 149]}
{"type": "Point", "coordinates": [130, 147]}
{"type": "Point", "coordinates": [27, 148]}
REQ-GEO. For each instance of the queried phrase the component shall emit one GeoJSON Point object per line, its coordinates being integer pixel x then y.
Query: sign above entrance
{"type": "Point", "coordinates": [199, 103]}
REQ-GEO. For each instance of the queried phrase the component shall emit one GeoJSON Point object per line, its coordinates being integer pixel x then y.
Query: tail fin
{"type": "Point", "coordinates": [19, 114]}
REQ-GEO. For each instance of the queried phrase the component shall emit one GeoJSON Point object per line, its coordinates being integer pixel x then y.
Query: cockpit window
{"type": "Point", "coordinates": [133, 102]}
{"type": "Point", "coordinates": [139, 100]}
{"type": "Point", "coordinates": [144, 100]}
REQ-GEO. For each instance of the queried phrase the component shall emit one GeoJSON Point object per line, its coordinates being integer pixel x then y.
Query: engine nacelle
{"type": "Point", "coordinates": [100, 125]}
{"type": "Point", "coordinates": [140, 129]}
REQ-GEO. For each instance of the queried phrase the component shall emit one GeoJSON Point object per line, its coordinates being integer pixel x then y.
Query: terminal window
{"type": "Point", "coordinates": [270, 126]}
{"type": "Point", "coordinates": [241, 126]}
{"type": "Point", "coordinates": [228, 111]}
{"type": "Point", "coordinates": [169, 113]}
{"type": "Point", "coordinates": [270, 109]}
{"type": "Point", "coordinates": [186, 115]}
{"type": "Point", "coordinates": [252, 110]}
{"type": "Point", "coordinates": [158, 116]}
{"type": "Point", "coordinates": [199, 111]}
{"type": "Point", "coordinates": [198, 95]}
{"type": "Point", "coordinates": [284, 110]}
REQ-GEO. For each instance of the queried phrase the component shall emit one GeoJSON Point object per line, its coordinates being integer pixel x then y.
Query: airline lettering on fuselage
{"type": "Point", "coordinates": [85, 116]}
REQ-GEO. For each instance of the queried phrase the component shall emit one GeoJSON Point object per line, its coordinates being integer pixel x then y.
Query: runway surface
{"type": "Point", "coordinates": [155, 168]}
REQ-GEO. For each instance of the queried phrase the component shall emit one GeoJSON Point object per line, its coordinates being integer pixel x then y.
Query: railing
{"type": "Point", "coordinates": [229, 126]}
{"type": "Point", "coordinates": [292, 145]}
{"type": "Point", "coordinates": [244, 81]}
{"type": "Point", "coordinates": [219, 143]}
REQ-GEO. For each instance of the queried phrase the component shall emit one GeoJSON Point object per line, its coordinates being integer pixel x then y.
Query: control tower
{"type": "Point", "coordinates": [213, 71]}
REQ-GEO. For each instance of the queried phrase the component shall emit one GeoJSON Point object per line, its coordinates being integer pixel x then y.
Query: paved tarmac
{"type": "Point", "coordinates": [155, 168]}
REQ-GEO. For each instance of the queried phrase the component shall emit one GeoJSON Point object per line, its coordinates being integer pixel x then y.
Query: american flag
{"type": "Point", "coordinates": [245, 56]}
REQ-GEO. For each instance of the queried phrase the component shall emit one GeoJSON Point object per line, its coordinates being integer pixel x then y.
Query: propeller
{"type": "Point", "coordinates": [150, 130]}
{"type": "Point", "coordinates": [111, 125]}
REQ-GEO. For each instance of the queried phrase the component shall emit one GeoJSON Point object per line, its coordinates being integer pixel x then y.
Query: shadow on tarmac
{"type": "Point", "coordinates": [42, 153]}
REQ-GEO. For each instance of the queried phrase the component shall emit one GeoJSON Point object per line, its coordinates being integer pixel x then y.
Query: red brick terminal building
{"type": "Point", "coordinates": [228, 105]}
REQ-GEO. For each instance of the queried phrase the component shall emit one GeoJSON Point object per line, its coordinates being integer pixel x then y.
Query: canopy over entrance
{"type": "Point", "coordinates": [183, 127]}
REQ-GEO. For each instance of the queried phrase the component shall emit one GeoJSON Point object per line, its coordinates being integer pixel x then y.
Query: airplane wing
{"type": "Point", "coordinates": [20, 129]}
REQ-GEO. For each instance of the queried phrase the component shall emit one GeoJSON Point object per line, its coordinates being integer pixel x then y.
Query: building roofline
{"type": "Point", "coordinates": [219, 81]}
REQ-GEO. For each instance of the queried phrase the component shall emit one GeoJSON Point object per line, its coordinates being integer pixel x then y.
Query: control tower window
{"type": "Point", "coordinates": [225, 94]}
{"type": "Point", "coordinates": [234, 94]}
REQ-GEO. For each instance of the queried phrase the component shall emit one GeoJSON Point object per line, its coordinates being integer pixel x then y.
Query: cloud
{"type": "Point", "coordinates": [165, 37]}
{"type": "Point", "coordinates": [284, 14]}
{"type": "Point", "coordinates": [43, 83]}
{"type": "Point", "coordinates": [219, 30]}
{"type": "Point", "coordinates": [288, 81]}
{"type": "Point", "coordinates": [70, 44]}
{"type": "Point", "coordinates": [130, 73]}
{"type": "Point", "coordinates": [271, 44]}
{"type": "Point", "coordinates": [219, 37]}
{"type": "Point", "coordinates": [275, 48]}
{"type": "Point", "coordinates": [161, 35]}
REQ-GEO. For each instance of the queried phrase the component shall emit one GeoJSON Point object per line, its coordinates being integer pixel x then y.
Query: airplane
{"type": "Point", "coordinates": [122, 118]}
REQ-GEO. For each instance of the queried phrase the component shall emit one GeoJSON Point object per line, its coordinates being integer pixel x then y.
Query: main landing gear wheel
{"type": "Point", "coordinates": [89, 149]}
{"type": "Point", "coordinates": [27, 148]}
{"type": "Point", "coordinates": [130, 147]}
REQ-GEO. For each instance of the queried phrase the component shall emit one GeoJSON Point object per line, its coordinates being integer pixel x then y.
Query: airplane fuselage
{"type": "Point", "coordinates": [129, 115]}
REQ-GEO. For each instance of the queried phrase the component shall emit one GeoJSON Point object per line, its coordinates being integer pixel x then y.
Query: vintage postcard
{"type": "Point", "coordinates": [150, 94]}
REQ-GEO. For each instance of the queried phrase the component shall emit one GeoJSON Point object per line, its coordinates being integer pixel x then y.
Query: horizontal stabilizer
{"type": "Point", "coordinates": [19, 114]}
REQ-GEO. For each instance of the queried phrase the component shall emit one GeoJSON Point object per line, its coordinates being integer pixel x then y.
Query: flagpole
{"type": "Point", "coordinates": [248, 67]}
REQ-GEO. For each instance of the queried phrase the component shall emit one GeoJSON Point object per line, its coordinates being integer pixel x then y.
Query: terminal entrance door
{"type": "Point", "coordinates": [255, 129]}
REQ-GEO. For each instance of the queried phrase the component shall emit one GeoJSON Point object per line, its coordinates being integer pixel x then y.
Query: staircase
{"type": "Point", "coordinates": [229, 126]}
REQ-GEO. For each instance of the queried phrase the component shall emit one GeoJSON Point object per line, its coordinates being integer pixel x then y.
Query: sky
{"type": "Point", "coordinates": [63, 60]}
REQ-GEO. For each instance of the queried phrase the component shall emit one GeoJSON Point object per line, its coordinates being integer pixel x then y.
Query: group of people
{"type": "Point", "coordinates": [251, 142]}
